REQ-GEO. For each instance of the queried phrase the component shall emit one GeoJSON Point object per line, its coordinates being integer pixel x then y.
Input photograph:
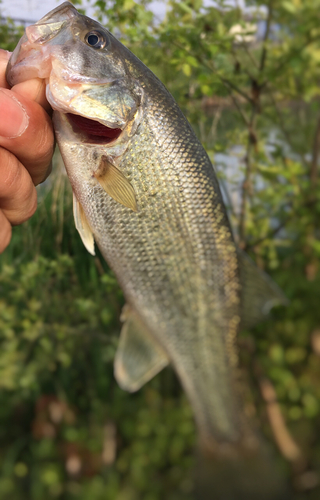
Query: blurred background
{"type": "Point", "coordinates": [247, 76]}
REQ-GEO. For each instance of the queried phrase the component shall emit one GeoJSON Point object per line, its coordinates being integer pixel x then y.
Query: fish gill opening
{"type": "Point", "coordinates": [94, 131]}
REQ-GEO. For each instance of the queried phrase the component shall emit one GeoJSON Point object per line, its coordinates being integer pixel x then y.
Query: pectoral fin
{"type": "Point", "coordinates": [259, 292]}
{"type": "Point", "coordinates": [116, 184]}
{"type": "Point", "coordinates": [139, 357]}
{"type": "Point", "coordinates": [82, 226]}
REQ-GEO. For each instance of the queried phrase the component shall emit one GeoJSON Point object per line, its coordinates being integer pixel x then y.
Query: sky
{"type": "Point", "coordinates": [27, 9]}
{"type": "Point", "coordinates": [33, 10]}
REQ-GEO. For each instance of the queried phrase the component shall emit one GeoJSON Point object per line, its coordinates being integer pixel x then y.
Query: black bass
{"type": "Point", "coordinates": [147, 194]}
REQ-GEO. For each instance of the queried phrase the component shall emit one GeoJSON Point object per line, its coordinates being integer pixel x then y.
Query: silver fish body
{"type": "Point", "coordinates": [171, 246]}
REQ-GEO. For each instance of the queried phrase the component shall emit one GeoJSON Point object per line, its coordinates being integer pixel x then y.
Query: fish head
{"type": "Point", "coordinates": [86, 71]}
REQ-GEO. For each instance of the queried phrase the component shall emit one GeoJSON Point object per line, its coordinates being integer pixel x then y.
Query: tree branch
{"type": "Point", "coordinates": [231, 85]}
{"type": "Point", "coordinates": [252, 138]}
{"type": "Point", "coordinates": [265, 39]}
{"type": "Point", "coordinates": [285, 442]}
{"type": "Point", "coordinates": [224, 80]}
{"type": "Point", "coordinates": [241, 113]}
{"type": "Point", "coordinates": [246, 185]}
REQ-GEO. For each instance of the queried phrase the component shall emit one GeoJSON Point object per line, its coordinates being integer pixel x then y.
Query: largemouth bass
{"type": "Point", "coordinates": [146, 193]}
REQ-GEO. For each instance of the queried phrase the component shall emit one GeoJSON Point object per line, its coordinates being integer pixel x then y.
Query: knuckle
{"type": "Point", "coordinates": [26, 209]}
{"type": "Point", "coordinates": [42, 154]}
{"type": "Point", "coordinates": [44, 144]}
{"type": "Point", "coordinates": [48, 171]}
{"type": "Point", "coordinates": [30, 208]}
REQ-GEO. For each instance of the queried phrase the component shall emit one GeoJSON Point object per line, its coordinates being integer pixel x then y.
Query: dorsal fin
{"type": "Point", "coordinates": [139, 357]}
{"type": "Point", "coordinates": [259, 292]}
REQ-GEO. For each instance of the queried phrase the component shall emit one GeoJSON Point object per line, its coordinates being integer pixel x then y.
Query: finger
{"type": "Point", "coordinates": [35, 90]}
{"type": "Point", "coordinates": [18, 196]}
{"type": "Point", "coordinates": [26, 131]}
{"type": "Point", "coordinates": [4, 58]}
{"type": "Point", "coordinates": [5, 232]}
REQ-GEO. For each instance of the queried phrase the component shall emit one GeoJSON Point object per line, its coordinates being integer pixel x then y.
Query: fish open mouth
{"type": "Point", "coordinates": [93, 131]}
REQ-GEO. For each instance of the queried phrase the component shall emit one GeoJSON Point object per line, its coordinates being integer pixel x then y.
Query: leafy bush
{"type": "Point", "coordinates": [67, 430]}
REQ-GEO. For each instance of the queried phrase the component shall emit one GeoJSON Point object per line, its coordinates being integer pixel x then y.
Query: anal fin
{"type": "Point", "coordinates": [139, 357]}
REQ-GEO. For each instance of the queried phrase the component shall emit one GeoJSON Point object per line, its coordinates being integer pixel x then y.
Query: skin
{"type": "Point", "coordinates": [26, 149]}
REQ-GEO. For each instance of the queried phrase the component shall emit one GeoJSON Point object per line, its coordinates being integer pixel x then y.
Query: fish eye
{"type": "Point", "coordinates": [96, 39]}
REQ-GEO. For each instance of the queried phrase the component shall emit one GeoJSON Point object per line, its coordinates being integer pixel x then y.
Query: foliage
{"type": "Point", "coordinates": [254, 103]}
{"type": "Point", "coordinates": [9, 34]}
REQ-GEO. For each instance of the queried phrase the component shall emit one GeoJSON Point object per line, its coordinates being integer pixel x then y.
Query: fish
{"type": "Point", "coordinates": [146, 193]}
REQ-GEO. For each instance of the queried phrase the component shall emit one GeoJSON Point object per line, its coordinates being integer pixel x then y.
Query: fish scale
{"type": "Point", "coordinates": [175, 299]}
{"type": "Point", "coordinates": [170, 269]}
{"type": "Point", "coordinates": [181, 276]}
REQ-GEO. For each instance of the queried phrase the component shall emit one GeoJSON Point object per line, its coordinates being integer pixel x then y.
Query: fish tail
{"type": "Point", "coordinates": [233, 472]}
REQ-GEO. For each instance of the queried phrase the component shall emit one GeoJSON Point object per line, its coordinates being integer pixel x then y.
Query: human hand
{"type": "Point", "coordinates": [26, 149]}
